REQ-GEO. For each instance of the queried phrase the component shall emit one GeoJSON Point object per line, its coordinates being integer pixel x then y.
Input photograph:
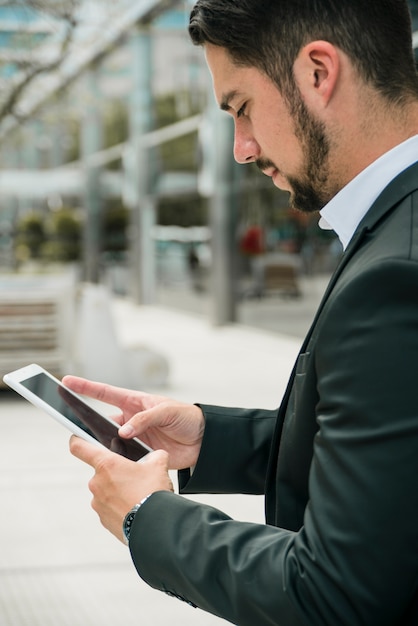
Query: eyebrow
{"type": "Point", "coordinates": [226, 99]}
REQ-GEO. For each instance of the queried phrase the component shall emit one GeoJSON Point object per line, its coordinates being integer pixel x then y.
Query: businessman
{"type": "Point", "coordinates": [324, 97]}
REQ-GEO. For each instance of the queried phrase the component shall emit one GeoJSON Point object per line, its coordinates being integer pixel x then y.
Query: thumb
{"type": "Point", "coordinates": [159, 457]}
{"type": "Point", "coordinates": [139, 423]}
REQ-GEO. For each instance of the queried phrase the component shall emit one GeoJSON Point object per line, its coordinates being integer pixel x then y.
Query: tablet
{"type": "Point", "coordinates": [46, 392]}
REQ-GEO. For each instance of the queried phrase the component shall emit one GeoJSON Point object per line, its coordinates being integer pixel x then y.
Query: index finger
{"type": "Point", "coordinates": [95, 390]}
{"type": "Point", "coordinates": [86, 451]}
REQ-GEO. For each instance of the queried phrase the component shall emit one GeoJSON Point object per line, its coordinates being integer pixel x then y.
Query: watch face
{"type": "Point", "coordinates": [127, 524]}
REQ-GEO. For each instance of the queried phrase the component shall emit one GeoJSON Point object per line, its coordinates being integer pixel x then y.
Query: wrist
{"type": "Point", "coordinates": [129, 519]}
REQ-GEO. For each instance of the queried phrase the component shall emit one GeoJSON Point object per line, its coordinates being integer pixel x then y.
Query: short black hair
{"type": "Point", "coordinates": [268, 34]}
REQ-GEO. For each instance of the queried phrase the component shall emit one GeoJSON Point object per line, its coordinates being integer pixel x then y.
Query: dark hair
{"type": "Point", "coordinates": [268, 34]}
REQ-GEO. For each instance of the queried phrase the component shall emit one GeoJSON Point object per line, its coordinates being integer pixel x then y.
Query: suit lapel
{"type": "Point", "coordinates": [393, 194]}
{"type": "Point", "coordinates": [270, 504]}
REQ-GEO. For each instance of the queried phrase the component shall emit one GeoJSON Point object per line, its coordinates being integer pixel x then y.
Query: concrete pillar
{"type": "Point", "coordinates": [141, 175]}
{"type": "Point", "coordinates": [29, 159]}
{"type": "Point", "coordinates": [91, 141]}
{"type": "Point", "coordinates": [220, 182]}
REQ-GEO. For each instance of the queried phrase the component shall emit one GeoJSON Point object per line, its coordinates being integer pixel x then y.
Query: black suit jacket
{"type": "Point", "coordinates": [338, 462]}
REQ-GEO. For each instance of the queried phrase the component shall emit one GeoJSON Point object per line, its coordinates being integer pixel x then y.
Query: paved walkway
{"type": "Point", "coordinates": [58, 566]}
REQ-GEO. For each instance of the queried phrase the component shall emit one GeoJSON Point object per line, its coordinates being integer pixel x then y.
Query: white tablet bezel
{"type": "Point", "coordinates": [14, 381]}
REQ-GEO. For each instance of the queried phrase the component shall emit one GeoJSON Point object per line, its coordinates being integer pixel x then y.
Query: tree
{"type": "Point", "coordinates": [41, 35]}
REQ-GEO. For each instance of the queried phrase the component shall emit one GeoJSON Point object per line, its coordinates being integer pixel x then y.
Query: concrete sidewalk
{"type": "Point", "coordinates": [58, 566]}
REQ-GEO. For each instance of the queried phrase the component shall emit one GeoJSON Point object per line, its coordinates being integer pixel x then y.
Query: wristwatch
{"type": "Point", "coordinates": [129, 519]}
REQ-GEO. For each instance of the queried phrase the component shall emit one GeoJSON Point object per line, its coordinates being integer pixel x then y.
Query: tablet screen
{"type": "Point", "coordinates": [83, 416]}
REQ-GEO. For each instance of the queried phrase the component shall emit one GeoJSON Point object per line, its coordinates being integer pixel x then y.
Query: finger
{"type": "Point", "coordinates": [98, 391]}
{"type": "Point", "coordinates": [140, 422]}
{"type": "Point", "coordinates": [161, 458]}
{"type": "Point", "coordinates": [85, 451]}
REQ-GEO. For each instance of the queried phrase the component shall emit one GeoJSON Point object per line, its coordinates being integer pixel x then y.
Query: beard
{"type": "Point", "coordinates": [310, 188]}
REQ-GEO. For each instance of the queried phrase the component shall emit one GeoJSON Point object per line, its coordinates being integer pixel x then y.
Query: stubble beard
{"type": "Point", "coordinates": [310, 190]}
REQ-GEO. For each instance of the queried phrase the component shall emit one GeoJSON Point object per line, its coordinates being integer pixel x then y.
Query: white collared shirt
{"type": "Point", "coordinates": [346, 210]}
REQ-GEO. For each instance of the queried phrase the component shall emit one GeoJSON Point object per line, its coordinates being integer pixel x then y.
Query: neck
{"type": "Point", "coordinates": [376, 128]}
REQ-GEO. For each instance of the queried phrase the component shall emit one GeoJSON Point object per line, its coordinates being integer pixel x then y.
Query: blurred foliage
{"type": "Point", "coordinates": [30, 236]}
{"type": "Point", "coordinates": [115, 127]}
{"type": "Point", "coordinates": [64, 231]}
{"type": "Point", "coordinates": [183, 211]}
{"type": "Point", "coordinates": [116, 123]}
{"type": "Point", "coordinates": [115, 225]}
{"type": "Point", "coordinates": [181, 153]}
{"type": "Point", "coordinates": [55, 236]}
{"type": "Point", "coordinates": [72, 147]}
{"type": "Point", "coordinates": [177, 155]}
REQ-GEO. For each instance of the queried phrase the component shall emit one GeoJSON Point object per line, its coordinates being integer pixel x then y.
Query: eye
{"type": "Point", "coordinates": [241, 111]}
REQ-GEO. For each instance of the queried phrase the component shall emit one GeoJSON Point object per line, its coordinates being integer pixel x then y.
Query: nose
{"type": "Point", "coordinates": [246, 149]}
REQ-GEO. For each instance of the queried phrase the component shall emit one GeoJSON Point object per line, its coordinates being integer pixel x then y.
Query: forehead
{"type": "Point", "coordinates": [229, 79]}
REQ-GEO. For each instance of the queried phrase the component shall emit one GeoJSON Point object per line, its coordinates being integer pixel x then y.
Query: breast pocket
{"type": "Point", "coordinates": [303, 396]}
{"type": "Point", "coordinates": [300, 375]}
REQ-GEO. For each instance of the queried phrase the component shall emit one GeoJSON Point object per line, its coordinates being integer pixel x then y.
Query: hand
{"type": "Point", "coordinates": [118, 483]}
{"type": "Point", "coordinates": [163, 424]}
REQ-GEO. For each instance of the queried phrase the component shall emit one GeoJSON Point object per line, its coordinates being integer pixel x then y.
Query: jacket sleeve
{"type": "Point", "coordinates": [234, 453]}
{"type": "Point", "coordinates": [198, 554]}
{"type": "Point", "coordinates": [354, 560]}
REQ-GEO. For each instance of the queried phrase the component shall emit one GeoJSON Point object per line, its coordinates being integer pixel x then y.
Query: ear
{"type": "Point", "coordinates": [317, 70]}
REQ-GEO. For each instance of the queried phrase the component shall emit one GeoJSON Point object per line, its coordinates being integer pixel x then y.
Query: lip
{"type": "Point", "coordinates": [275, 177]}
{"type": "Point", "coordinates": [271, 172]}
{"type": "Point", "coordinates": [279, 181]}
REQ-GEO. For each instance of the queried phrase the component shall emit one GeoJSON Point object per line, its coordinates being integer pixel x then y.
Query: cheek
{"type": "Point", "coordinates": [274, 130]}
{"type": "Point", "coordinates": [281, 146]}
{"type": "Point", "coordinates": [274, 126]}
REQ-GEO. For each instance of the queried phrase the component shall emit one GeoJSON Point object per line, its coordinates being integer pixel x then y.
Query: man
{"type": "Point", "coordinates": [324, 96]}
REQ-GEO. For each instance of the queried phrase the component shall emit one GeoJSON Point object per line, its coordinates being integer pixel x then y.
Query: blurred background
{"type": "Point", "coordinates": [133, 250]}
{"type": "Point", "coordinates": [116, 170]}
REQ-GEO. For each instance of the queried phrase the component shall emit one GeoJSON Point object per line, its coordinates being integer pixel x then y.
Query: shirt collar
{"type": "Point", "coordinates": [348, 207]}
